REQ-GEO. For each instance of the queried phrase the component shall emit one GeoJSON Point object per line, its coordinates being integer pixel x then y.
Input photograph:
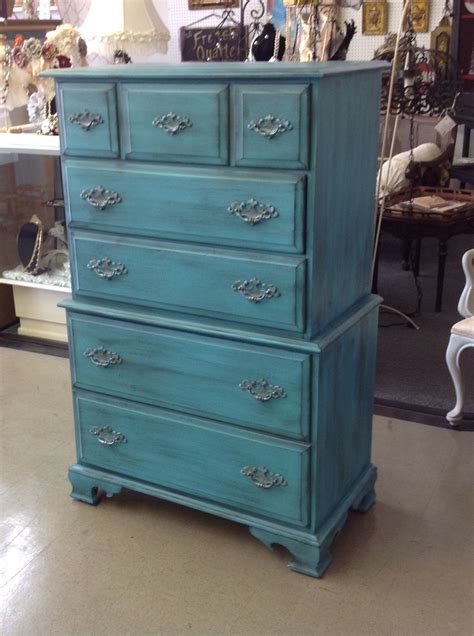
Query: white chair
{"type": "Point", "coordinates": [462, 336]}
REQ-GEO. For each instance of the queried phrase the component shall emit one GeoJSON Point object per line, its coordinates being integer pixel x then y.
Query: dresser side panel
{"type": "Point", "coordinates": [341, 220]}
{"type": "Point", "coordinates": [342, 414]}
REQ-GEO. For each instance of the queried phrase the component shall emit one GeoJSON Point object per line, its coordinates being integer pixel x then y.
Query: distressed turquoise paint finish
{"type": "Point", "coordinates": [89, 119]}
{"type": "Point", "coordinates": [194, 456]}
{"type": "Point", "coordinates": [196, 374]}
{"type": "Point", "coordinates": [196, 132]}
{"type": "Point", "coordinates": [271, 125]}
{"type": "Point", "coordinates": [224, 359]}
{"type": "Point", "coordinates": [195, 203]}
{"type": "Point", "coordinates": [193, 280]}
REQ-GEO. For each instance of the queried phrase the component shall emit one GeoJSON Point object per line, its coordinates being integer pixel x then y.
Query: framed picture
{"type": "Point", "coordinates": [212, 4]}
{"type": "Point", "coordinates": [374, 18]}
{"type": "Point", "coordinates": [420, 15]}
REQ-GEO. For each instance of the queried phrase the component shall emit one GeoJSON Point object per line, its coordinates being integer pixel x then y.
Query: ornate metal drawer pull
{"type": "Point", "coordinates": [262, 477]}
{"type": "Point", "coordinates": [270, 126]}
{"type": "Point", "coordinates": [172, 123]}
{"type": "Point", "coordinates": [106, 268]}
{"type": "Point", "coordinates": [106, 435]}
{"type": "Point", "coordinates": [100, 198]}
{"type": "Point", "coordinates": [86, 120]}
{"type": "Point", "coordinates": [253, 212]}
{"type": "Point", "coordinates": [262, 389]}
{"type": "Point", "coordinates": [102, 358]}
{"type": "Point", "coordinates": [254, 290]}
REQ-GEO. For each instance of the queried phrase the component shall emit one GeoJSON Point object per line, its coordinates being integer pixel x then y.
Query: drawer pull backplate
{"type": "Point", "coordinates": [253, 212]}
{"type": "Point", "coordinates": [106, 268]}
{"type": "Point", "coordinates": [102, 358]}
{"type": "Point", "coordinates": [108, 436]}
{"type": "Point", "coordinates": [172, 123]}
{"type": "Point", "coordinates": [263, 477]}
{"type": "Point", "coordinates": [86, 120]}
{"type": "Point", "coordinates": [100, 198]}
{"type": "Point", "coordinates": [254, 290]}
{"type": "Point", "coordinates": [270, 126]}
{"type": "Point", "coordinates": [262, 390]}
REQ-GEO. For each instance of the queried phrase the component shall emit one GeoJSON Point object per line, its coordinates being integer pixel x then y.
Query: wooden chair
{"type": "Point", "coordinates": [462, 336]}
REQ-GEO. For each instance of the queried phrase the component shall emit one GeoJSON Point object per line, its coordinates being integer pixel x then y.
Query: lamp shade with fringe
{"type": "Point", "coordinates": [130, 25]}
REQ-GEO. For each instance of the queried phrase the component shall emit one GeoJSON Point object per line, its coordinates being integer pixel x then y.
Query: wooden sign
{"type": "Point", "coordinates": [228, 44]}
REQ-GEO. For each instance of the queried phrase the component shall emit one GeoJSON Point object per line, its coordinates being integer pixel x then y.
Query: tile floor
{"type": "Point", "coordinates": [135, 565]}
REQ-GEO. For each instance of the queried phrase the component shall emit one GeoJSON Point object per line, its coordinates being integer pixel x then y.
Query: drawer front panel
{"type": "Point", "coordinates": [244, 287]}
{"type": "Point", "coordinates": [271, 126]}
{"type": "Point", "coordinates": [236, 208]}
{"type": "Point", "coordinates": [194, 457]}
{"type": "Point", "coordinates": [184, 124]}
{"type": "Point", "coordinates": [89, 119]}
{"type": "Point", "coordinates": [205, 376]}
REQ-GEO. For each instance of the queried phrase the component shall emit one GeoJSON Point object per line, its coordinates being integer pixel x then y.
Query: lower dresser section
{"type": "Point", "coordinates": [195, 457]}
{"type": "Point", "coordinates": [275, 435]}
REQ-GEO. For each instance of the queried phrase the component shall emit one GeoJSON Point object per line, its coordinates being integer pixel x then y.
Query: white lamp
{"type": "Point", "coordinates": [131, 25]}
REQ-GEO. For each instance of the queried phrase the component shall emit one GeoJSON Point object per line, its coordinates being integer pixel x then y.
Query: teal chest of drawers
{"type": "Point", "coordinates": [222, 331]}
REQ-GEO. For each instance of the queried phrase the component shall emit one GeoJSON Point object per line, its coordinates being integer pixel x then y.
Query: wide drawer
{"type": "Point", "coordinates": [256, 387]}
{"type": "Point", "coordinates": [176, 123]}
{"type": "Point", "coordinates": [228, 207]}
{"type": "Point", "coordinates": [194, 457]}
{"type": "Point", "coordinates": [241, 286]}
{"type": "Point", "coordinates": [89, 124]}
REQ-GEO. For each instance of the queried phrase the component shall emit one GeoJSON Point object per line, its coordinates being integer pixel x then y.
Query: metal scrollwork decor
{"type": "Point", "coordinates": [254, 290]}
{"type": "Point", "coordinates": [86, 120]}
{"type": "Point", "coordinates": [106, 435]}
{"type": "Point", "coordinates": [270, 126]}
{"type": "Point", "coordinates": [262, 390]}
{"type": "Point", "coordinates": [106, 268]}
{"type": "Point", "coordinates": [253, 212]}
{"type": "Point", "coordinates": [172, 123]}
{"type": "Point", "coordinates": [263, 477]}
{"type": "Point", "coordinates": [102, 358]}
{"type": "Point", "coordinates": [100, 198]}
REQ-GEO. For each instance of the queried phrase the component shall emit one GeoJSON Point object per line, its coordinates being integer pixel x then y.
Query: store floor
{"type": "Point", "coordinates": [135, 565]}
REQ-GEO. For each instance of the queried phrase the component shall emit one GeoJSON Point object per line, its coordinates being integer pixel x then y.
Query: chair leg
{"type": "Point", "coordinates": [453, 352]}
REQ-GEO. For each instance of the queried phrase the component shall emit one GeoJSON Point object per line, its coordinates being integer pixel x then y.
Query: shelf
{"type": "Point", "coordinates": [469, 78]}
{"type": "Point", "coordinates": [21, 283]}
{"type": "Point", "coordinates": [467, 16]}
{"type": "Point", "coordinates": [29, 143]}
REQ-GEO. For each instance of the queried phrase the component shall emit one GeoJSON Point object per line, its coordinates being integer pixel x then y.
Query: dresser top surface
{"type": "Point", "coordinates": [228, 70]}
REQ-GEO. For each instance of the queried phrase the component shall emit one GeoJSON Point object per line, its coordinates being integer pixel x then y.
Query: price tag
{"type": "Point", "coordinates": [445, 126]}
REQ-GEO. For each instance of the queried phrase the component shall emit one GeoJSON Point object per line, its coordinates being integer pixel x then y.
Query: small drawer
{"type": "Point", "coordinates": [271, 126]}
{"type": "Point", "coordinates": [235, 207]}
{"type": "Point", "coordinates": [195, 457]}
{"type": "Point", "coordinates": [261, 388]}
{"type": "Point", "coordinates": [183, 124]}
{"type": "Point", "coordinates": [247, 287]}
{"type": "Point", "coordinates": [88, 119]}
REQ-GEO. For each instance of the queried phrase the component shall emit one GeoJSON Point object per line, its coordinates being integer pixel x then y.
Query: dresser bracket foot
{"type": "Point", "coordinates": [365, 498]}
{"type": "Point", "coordinates": [91, 489]}
{"type": "Point", "coordinates": [307, 558]}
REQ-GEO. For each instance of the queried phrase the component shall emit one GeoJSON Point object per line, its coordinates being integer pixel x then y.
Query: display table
{"type": "Point", "coordinates": [415, 226]}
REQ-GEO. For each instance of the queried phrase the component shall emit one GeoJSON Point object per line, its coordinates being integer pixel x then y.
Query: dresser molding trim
{"type": "Point", "coordinates": [149, 317]}
{"type": "Point", "coordinates": [288, 71]}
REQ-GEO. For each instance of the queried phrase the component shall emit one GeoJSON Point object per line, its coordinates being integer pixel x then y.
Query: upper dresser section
{"type": "Point", "coordinates": [189, 123]}
{"type": "Point", "coordinates": [188, 114]}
